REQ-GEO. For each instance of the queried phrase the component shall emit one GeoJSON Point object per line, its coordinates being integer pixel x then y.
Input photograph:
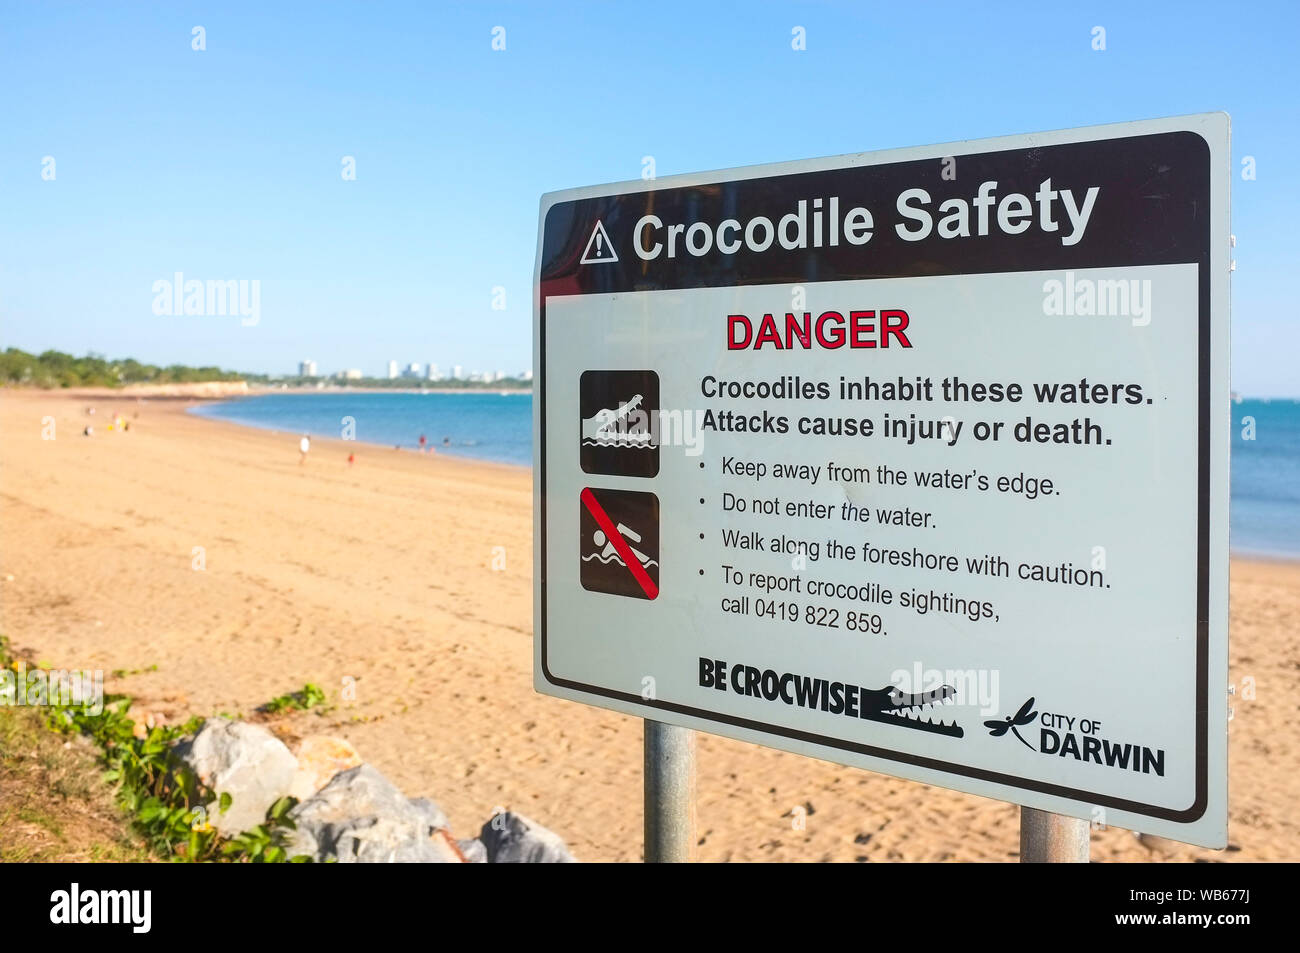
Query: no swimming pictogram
{"type": "Point", "coordinates": [619, 542]}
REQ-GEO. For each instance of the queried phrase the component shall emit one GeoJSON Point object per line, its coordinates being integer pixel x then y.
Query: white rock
{"type": "Point", "coordinates": [360, 817]}
{"type": "Point", "coordinates": [474, 850]}
{"type": "Point", "coordinates": [242, 760]}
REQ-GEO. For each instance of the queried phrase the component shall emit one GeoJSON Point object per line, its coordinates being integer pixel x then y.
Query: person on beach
{"type": "Point", "coordinates": [424, 443]}
{"type": "Point", "coordinates": [303, 446]}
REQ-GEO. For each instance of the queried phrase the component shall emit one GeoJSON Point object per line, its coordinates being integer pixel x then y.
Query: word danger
{"type": "Point", "coordinates": [831, 330]}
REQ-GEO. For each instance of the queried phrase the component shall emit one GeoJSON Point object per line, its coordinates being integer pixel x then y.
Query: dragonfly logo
{"type": "Point", "coordinates": [1025, 716]}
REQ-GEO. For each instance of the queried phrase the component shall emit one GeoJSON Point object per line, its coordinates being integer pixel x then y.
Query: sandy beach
{"type": "Point", "coordinates": [383, 572]}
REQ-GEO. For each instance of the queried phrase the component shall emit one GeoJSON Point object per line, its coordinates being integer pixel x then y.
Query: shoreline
{"type": "Point", "coordinates": [262, 390]}
{"type": "Point", "coordinates": [239, 390]}
{"type": "Point", "coordinates": [1255, 555]}
{"type": "Point", "coordinates": [1263, 558]}
{"type": "Point", "coordinates": [328, 441]}
{"type": "Point", "coordinates": [254, 389]}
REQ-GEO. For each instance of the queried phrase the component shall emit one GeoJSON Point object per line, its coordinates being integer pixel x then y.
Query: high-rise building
{"type": "Point", "coordinates": [412, 370]}
{"type": "Point", "coordinates": [433, 371]}
{"type": "Point", "coordinates": [306, 368]}
{"type": "Point", "coordinates": [457, 372]}
{"type": "Point", "coordinates": [392, 370]}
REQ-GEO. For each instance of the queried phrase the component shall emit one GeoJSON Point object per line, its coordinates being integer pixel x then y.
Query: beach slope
{"type": "Point", "coordinates": [208, 550]}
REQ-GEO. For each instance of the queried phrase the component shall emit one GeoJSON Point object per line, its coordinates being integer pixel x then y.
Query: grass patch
{"type": "Point", "coordinates": [124, 672]}
{"type": "Point", "coordinates": [310, 696]}
{"type": "Point", "coordinates": [166, 807]}
{"type": "Point", "coordinates": [54, 805]}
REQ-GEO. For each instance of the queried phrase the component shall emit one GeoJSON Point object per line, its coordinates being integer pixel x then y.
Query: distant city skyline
{"type": "Point", "coordinates": [413, 370]}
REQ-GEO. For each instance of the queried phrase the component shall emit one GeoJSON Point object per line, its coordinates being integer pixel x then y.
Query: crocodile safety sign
{"type": "Point", "coordinates": [915, 461]}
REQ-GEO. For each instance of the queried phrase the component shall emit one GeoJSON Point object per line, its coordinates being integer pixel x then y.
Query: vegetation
{"type": "Point", "coordinates": [167, 805]}
{"type": "Point", "coordinates": [53, 804]}
{"type": "Point", "coordinates": [309, 697]}
{"type": "Point", "coordinates": [123, 672]}
{"type": "Point", "coordinates": [56, 369]}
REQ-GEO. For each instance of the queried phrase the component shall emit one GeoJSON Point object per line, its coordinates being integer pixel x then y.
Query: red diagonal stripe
{"type": "Point", "coordinates": [620, 544]}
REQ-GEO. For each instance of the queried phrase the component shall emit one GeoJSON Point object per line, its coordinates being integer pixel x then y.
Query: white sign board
{"type": "Point", "coordinates": [914, 460]}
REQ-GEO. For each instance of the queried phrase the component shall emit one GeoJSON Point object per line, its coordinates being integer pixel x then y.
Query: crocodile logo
{"type": "Point", "coordinates": [619, 422]}
{"type": "Point", "coordinates": [890, 706]}
{"type": "Point", "coordinates": [618, 428]}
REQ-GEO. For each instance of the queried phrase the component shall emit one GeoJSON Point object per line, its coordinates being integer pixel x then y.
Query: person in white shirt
{"type": "Point", "coordinates": [304, 445]}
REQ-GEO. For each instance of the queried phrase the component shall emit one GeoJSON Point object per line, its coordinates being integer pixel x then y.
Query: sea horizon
{"type": "Point", "coordinates": [490, 425]}
{"type": "Point", "coordinates": [496, 426]}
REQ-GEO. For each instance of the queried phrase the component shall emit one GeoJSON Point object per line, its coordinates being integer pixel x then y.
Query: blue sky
{"type": "Point", "coordinates": [226, 163]}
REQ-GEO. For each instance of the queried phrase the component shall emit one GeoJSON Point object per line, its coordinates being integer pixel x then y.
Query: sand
{"type": "Point", "coordinates": [383, 573]}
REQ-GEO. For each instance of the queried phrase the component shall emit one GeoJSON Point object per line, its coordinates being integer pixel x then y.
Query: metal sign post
{"type": "Point", "coordinates": [1047, 838]}
{"type": "Point", "coordinates": [669, 794]}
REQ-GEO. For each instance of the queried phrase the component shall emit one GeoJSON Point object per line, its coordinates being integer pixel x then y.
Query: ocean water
{"type": "Point", "coordinates": [483, 424]}
{"type": "Point", "coordinates": [1265, 514]}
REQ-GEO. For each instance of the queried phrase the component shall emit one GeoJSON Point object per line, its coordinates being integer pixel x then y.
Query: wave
{"type": "Point", "coordinates": [620, 440]}
{"type": "Point", "coordinates": [613, 558]}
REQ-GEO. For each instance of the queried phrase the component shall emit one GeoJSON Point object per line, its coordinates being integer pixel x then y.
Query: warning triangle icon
{"type": "Point", "coordinates": [599, 247]}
